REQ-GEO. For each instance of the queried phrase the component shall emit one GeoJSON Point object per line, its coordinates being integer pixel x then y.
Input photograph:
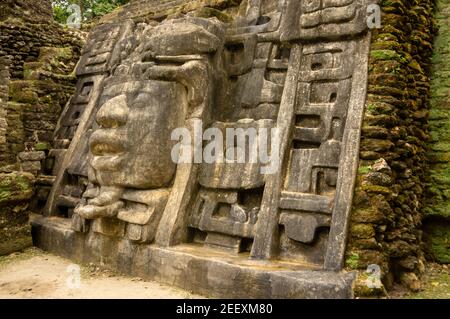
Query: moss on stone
{"type": "Point", "coordinates": [364, 170]}
{"type": "Point", "coordinates": [352, 260]}
{"type": "Point", "coordinates": [387, 55]}
{"type": "Point", "coordinates": [440, 242]}
{"type": "Point", "coordinates": [362, 231]}
{"type": "Point", "coordinates": [377, 189]}
{"type": "Point", "coordinates": [368, 286]}
{"type": "Point", "coordinates": [15, 244]}
{"type": "Point", "coordinates": [41, 146]}
{"type": "Point", "coordinates": [15, 187]}
{"type": "Point", "coordinates": [439, 155]}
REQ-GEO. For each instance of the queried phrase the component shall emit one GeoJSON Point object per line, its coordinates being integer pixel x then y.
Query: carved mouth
{"type": "Point", "coordinates": [106, 143]}
{"type": "Point", "coordinates": [102, 149]}
{"type": "Point", "coordinates": [108, 162]}
{"type": "Point", "coordinates": [108, 148]}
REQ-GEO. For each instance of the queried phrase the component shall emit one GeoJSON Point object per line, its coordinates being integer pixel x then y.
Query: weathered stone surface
{"type": "Point", "coordinates": [37, 57]}
{"type": "Point", "coordinates": [392, 170]}
{"type": "Point", "coordinates": [31, 156]}
{"type": "Point", "coordinates": [16, 189]}
{"type": "Point", "coordinates": [31, 166]}
{"type": "Point", "coordinates": [227, 276]}
{"type": "Point", "coordinates": [410, 280]}
{"type": "Point", "coordinates": [437, 202]}
{"type": "Point", "coordinates": [299, 66]}
{"type": "Point", "coordinates": [268, 66]}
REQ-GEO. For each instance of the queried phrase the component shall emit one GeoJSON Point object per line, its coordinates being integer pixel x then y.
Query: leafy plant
{"type": "Point", "coordinates": [89, 9]}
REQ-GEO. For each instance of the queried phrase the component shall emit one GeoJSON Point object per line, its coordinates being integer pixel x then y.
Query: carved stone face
{"type": "Point", "coordinates": [132, 146]}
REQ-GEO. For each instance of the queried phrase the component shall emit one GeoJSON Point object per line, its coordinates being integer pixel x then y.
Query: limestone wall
{"type": "Point", "coordinates": [386, 217]}
{"type": "Point", "coordinates": [437, 201]}
{"type": "Point", "coordinates": [16, 189]}
{"type": "Point", "coordinates": [32, 11]}
{"type": "Point", "coordinates": [41, 56]}
{"type": "Point", "coordinates": [37, 58]}
{"type": "Point", "coordinates": [4, 87]}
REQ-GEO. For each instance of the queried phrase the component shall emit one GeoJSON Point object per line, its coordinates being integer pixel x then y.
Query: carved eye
{"type": "Point", "coordinates": [138, 105]}
{"type": "Point", "coordinates": [141, 101]}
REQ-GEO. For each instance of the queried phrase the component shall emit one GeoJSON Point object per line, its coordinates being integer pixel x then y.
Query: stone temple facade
{"type": "Point", "coordinates": [225, 228]}
{"type": "Point", "coordinates": [354, 185]}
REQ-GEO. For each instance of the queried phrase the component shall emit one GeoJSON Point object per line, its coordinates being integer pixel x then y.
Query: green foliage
{"type": "Point", "coordinates": [60, 14]}
{"type": "Point", "coordinates": [90, 9]}
{"type": "Point", "coordinates": [101, 7]}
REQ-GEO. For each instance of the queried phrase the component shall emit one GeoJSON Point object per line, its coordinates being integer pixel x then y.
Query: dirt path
{"type": "Point", "coordinates": [36, 274]}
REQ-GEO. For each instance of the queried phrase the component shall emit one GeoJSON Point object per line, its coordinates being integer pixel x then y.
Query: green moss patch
{"type": "Point", "coordinates": [15, 187]}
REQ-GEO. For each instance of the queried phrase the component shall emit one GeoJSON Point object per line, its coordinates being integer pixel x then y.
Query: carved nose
{"type": "Point", "coordinates": [113, 113]}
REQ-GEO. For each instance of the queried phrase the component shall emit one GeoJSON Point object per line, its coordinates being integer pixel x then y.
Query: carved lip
{"type": "Point", "coordinates": [108, 162]}
{"type": "Point", "coordinates": [106, 143]}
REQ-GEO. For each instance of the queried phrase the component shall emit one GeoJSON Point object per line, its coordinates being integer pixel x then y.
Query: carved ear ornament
{"type": "Point", "coordinates": [191, 74]}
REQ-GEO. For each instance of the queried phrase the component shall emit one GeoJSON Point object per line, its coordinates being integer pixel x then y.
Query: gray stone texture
{"type": "Point", "coordinates": [117, 191]}
{"type": "Point", "coordinates": [205, 271]}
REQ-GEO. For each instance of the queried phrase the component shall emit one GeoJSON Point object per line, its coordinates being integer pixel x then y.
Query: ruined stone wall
{"type": "Point", "coordinates": [37, 57]}
{"type": "Point", "coordinates": [4, 87]}
{"type": "Point", "coordinates": [386, 215]}
{"type": "Point", "coordinates": [41, 56]}
{"type": "Point", "coordinates": [31, 11]}
{"type": "Point", "coordinates": [16, 190]}
{"type": "Point", "coordinates": [437, 201]}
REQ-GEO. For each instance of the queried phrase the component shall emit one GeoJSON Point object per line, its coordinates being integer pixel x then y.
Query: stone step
{"type": "Point", "coordinates": [207, 271]}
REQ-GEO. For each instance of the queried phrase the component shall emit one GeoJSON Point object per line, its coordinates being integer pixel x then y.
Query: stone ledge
{"type": "Point", "coordinates": [199, 270]}
{"type": "Point", "coordinates": [12, 245]}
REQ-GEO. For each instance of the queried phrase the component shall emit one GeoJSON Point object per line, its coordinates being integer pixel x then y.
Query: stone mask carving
{"type": "Point", "coordinates": [131, 147]}
{"type": "Point", "coordinates": [297, 66]}
{"type": "Point", "coordinates": [288, 65]}
{"type": "Point", "coordinates": [150, 94]}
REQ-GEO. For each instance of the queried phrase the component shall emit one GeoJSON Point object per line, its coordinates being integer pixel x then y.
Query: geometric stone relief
{"type": "Point", "coordinates": [318, 142]}
{"type": "Point", "coordinates": [298, 66]}
{"type": "Point", "coordinates": [312, 19]}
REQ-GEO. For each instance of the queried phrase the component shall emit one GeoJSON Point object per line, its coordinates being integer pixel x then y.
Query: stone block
{"type": "Point", "coordinates": [31, 156]}
{"type": "Point", "coordinates": [31, 166]}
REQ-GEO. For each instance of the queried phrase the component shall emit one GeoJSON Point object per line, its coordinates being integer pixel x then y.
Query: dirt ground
{"type": "Point", "coordinates": [36, 274]}
{"type": "Point", "coordinates": [435, 285]}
